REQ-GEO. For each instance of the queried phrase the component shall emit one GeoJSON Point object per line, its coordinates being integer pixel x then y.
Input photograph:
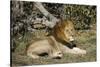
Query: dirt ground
{"type": "Point", "coordinates": [86, 40]}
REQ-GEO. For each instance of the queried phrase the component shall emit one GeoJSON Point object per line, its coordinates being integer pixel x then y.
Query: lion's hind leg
{"type": "Point", "coordinates": [55, 55]}
{"type": "Point", "coordinates": [33, 55]}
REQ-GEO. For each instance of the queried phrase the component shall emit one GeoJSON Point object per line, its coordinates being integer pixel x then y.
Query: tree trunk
{"type": "Point", "coordinates": [52, 19]}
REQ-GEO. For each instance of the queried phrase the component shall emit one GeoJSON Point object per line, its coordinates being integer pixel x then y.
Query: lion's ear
{"type": "Point", "coordinates": [60, 20]}
{"type": "Point", "coordinates": [58, 23]}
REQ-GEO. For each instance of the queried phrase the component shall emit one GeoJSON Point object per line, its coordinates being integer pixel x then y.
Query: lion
{"type": "Point", "coordinates": [64, 33]}
{"type": "Point", "coordinates": [61, 41]}
{"type": "Point", "coordinates": [46, 46]}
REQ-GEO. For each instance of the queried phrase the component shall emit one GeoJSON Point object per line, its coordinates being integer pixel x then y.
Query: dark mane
{"type": "Point", "coordinates": [58, 32]}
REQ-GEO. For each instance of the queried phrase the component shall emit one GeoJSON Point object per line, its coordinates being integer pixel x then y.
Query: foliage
{"type": "Point", "coordinates": [82, 15]}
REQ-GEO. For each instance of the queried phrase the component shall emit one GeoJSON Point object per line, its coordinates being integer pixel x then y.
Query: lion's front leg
{"type": "Point", "coordinates": [77, 50]}
{"type": "Point", "coordinates": [74, 50]}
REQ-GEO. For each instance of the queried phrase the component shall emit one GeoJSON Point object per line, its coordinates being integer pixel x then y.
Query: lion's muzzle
{"type": "Point", "coordinates": [71, 39]}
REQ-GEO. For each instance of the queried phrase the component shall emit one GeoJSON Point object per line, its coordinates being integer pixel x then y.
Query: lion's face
{"type": "Point", "coordinates": [65, 31]}
{"type": "Point", "coordinates": [69, 31]}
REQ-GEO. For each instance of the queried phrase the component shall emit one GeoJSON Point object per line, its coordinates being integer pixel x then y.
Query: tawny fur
{"type": "Point", "coordinates": [48, 45]}
{"type": "Point", "coordinates": [52, 45]}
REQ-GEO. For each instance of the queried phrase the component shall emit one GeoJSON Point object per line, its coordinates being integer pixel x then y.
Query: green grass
{"type": "Point", "coordinates": [86, 40]}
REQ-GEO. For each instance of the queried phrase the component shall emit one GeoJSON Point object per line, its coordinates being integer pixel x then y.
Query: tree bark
{"type": "Point", "coordinates": [52, 19]}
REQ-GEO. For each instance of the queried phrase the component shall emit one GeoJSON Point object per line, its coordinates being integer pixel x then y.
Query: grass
{"type": "Point", "coordinates": [86, 40]}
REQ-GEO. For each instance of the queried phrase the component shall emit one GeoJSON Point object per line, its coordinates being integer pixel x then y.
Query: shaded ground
{"type": "Point", "coordinates": [86, 40]}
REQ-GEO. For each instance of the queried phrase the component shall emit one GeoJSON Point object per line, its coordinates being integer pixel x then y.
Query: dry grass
{"type": "Point", "coordinates": [86, 40]}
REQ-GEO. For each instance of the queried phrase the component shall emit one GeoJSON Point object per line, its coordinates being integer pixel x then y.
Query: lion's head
{"type": "Point", "coordinates": [64, 31]}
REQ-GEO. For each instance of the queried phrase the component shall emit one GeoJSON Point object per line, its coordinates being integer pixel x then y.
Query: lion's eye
{"type": "Point", "coordinates": [71, 29]}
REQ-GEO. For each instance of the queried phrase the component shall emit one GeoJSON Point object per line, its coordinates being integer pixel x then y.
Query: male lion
{"type": "Point", "coordinates": [59, 42]}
